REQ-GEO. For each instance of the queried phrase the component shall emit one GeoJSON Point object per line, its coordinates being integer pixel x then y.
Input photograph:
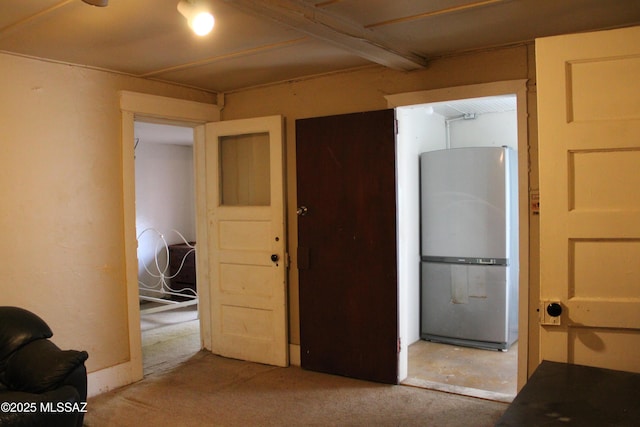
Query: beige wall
{"type": "Point", "coordinates": [61, 215]}
{"type": "Point", "coordinates": [364, 90]}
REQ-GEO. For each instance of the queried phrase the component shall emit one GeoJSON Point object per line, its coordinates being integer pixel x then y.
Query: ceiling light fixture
{"type": "Point", "coordinates": [100, 3]}
{"type": "Point", "coordinates": [199, 18]}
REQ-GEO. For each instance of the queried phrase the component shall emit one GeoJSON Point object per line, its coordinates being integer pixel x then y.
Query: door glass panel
{"type": "Point", "coordinates": [245, 170]}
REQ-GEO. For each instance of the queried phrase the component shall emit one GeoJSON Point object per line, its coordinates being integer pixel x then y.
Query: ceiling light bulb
{"type": "Point", "coordinates": [202, 23]}
{"type": "Point", "coordinates": [199, 19]}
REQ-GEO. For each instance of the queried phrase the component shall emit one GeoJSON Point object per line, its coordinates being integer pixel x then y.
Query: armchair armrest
{"type": "Point", "coordinates": [41, 366]}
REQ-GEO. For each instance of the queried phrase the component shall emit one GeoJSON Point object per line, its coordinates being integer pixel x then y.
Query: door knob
{"type": "Point", "coordinates": [554, 309]}
{"type": "Point", "coordinates": [275, 257]}
{"type": "Point", "coordinates": [550, 312]}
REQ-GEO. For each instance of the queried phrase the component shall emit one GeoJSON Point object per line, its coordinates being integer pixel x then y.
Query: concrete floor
{"type": "Point", "coordinates": [488, 374]}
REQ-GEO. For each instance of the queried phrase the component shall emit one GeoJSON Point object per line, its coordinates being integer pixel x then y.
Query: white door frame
{"type": "Point", "coordinates": [519, 88]}
{"type": "Point", "coordinates": [169, 111]}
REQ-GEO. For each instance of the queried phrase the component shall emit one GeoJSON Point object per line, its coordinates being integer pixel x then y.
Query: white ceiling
{"type": "Point", "coordinates": [474, 106]}
{"type": "Point", "coordinates": [260, 42]}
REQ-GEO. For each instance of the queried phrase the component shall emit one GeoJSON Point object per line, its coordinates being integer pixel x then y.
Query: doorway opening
{"type": "Point", "coordinates": [166, 234]}
{"type": "Point", "coordinates": [489, 121]}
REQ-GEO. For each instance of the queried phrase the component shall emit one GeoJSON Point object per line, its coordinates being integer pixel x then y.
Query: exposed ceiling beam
{"type": "Point", "coordinates": [333, 29]}
{"type": "Point", "coordinates": [38, 15]}
{"type": "Point", "coordinates": [436, 12]}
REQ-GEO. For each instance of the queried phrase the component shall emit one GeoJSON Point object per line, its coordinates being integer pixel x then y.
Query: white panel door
{"type": "Point", "coordinates": [245, 217]}
{"type": "Point", "coordinates": [589, 153]}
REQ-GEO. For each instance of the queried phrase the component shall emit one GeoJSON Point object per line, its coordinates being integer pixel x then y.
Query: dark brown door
{"type": "Point", "coordinates": [347, 245]}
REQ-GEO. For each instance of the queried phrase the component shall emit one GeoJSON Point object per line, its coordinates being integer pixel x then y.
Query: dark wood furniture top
{"type": "Point", "coordinates": [560, 394]}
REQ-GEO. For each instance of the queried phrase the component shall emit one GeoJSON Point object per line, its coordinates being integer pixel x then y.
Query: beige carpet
{"type": "Point", "coordinates": [207, 390]}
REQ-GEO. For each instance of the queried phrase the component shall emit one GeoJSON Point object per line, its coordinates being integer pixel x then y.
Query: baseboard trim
{"type": "Point", "coordinates": [294, 354]}
{"type": "Point", "coordinates": [107, 379]}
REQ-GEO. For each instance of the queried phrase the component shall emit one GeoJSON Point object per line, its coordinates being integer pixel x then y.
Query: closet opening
{"type": "Point", "coordinates": [448, 320]}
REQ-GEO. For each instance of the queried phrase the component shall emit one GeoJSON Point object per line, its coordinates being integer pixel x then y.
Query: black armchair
{"type": "Point", "coordinates": [40, 385]}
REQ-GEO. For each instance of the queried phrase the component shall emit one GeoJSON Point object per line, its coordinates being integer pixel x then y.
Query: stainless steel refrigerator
{"type": "Point", "coordinates": [469, 246]}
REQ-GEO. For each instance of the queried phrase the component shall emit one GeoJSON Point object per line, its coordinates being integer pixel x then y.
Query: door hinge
{"type": "Point", "coordinates": [534, 201]}
{"type": "Point", "coordinates": [399, 345]}
{"type": "Point", "coordinates": [396, 126]}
